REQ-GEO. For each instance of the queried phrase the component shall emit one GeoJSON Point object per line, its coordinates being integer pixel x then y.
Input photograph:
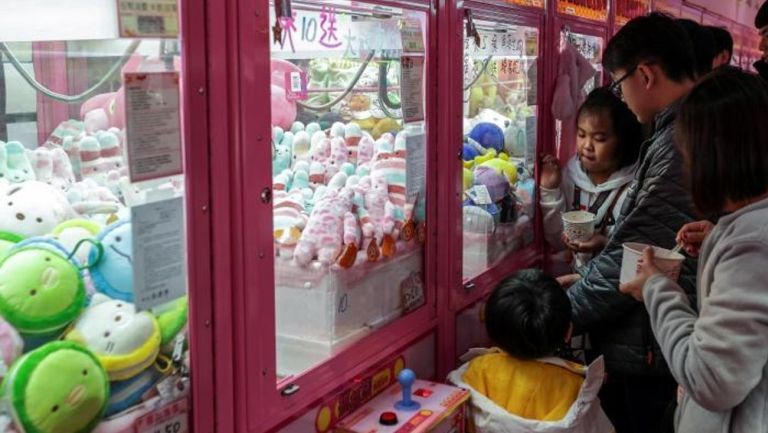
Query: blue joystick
{"type": "Point", "coordinates": [406, 379]}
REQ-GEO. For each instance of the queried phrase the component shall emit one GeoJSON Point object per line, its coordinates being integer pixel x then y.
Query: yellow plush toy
{"type": "Point", "coordinates": [503, 165]}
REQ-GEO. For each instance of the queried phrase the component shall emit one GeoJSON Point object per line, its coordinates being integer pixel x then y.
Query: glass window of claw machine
{"type": "Point", "coordinates": [625, 10]}
{"type": "Point", "coordinates": [94, 249]}
{"type": "Point", "coordinates": [350, 184]}
{"type": "Point", "coordinates": [500, 126]}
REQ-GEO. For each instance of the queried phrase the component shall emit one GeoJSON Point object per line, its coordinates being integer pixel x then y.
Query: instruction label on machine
{"type": "Point", "coordinates": [148, 18]}
{"type": "Point", "coordinates": [411, 88]}
{"type": "Point", "coordinates": [152, 125]}
{"type": "Point", "coordinates": [173, 418]}
{"type": "Point", "coordinates": [159, 262]}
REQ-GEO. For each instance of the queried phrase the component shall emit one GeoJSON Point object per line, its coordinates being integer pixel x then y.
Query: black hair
{"type": "Point", "coordinates": [703, 45]}
{"type": "Point", "coordinates": [761, 19]}
{"type": "Point", "coordinates": [723, 40]}
{"type": "Point", "coordinates": [528, 315]}
{"type": "Point", "coordinates": [629, 132]}
{"type": "Point", "coordinates": [654, 38]}
{"type": "Point", "coordinates": [722, 132]}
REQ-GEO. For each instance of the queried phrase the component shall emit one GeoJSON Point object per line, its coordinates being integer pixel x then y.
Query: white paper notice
{"type": "Point", "coordinates": [148, 18]}
{"type": "Point", "coordinates": [152, 125]}
{"type": "Point", "coordinates": [415, 167]}
{"type": "Point", "coordinates": [411, 88]}
{"type": "Point", "coordinates": [159, 259]}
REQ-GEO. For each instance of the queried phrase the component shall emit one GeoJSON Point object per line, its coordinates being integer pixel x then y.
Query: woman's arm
{"type": "Point", "coordinates": [718, 357]}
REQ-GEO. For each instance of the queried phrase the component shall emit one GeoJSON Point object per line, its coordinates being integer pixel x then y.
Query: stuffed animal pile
{"type": "Point", "coordinates": [73, 348]}
{"type": "Point", "coordinates": [340, 195]}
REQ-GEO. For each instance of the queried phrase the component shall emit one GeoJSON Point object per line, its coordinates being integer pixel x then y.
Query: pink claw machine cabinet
{"type": "Point", "coordinates": [104, 293]}
{"type": "Point", "coordinates": [337, 205]}
{"type": "Point", "coordinates": [492, 109]}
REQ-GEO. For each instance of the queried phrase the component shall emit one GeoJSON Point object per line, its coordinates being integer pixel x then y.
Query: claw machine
{"type": "Point", "coordinates": [104, 268]}
{"type": "Point", "coordinates": [492, 106]}
{"type": "Point", "coordinates": [580, 31]}
{"type": "Point", "coordinates": [337, 176]}
{"type": "Point", "coordinates": [625, 10]}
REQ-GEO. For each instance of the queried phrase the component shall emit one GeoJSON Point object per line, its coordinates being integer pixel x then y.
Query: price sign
{"type": "Point", "coordinates": [173, 418]}
{"type": "Point", "coordinates": [148, 18]}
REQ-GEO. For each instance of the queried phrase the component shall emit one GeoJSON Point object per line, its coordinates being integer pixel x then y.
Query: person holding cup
{"type": "Point", "coordinates": [593, 185]}
{"type": "Point", "coordinates": [719, 356]}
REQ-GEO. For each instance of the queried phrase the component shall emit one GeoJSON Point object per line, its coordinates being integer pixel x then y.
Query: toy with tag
{"type": "Point", "coordinates": [124, 341]}
{"type": "Point", "coordinates": [41, 290]}
{"type": "Point", "coordinates": [323, 235]}
{"type": "Point", "coordinates": [489, 190]}
{"type": "Point", "coordinates": [57, 388]}
{"type": "Point", "coordinates": [33, 209]}
{"type": "Point", "coordinates": [112, 273]}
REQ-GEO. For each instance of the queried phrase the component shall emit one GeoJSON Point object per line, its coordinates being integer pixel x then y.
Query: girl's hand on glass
{"type": "Point", "coordinates": [596, 243]}
{"type": "Point", "coordinates": [692, 235]}
{"type": "Point", "coordinates": [645, 270]}
{"type": "Point", "coordinates": [550, 172]}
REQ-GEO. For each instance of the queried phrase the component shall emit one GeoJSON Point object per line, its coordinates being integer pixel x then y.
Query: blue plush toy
{"type": "Point", "coordinates": [113, 274]}
{"type": "Point", "coordinates": [489, 135]}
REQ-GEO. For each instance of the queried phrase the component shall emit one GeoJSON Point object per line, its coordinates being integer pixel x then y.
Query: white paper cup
{"type": "Point", "coordinates": [579, 225]}
{"type": "Point", "coordinates": [668, 262]}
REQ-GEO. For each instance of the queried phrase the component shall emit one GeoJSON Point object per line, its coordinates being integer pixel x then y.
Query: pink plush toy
{"type": "Point", "coordinates": [320, 150]}
{"type": "Point", "coordinates": [108, 109]}
{"type": "Point", "coordinates": [337, 158]}
{"type": "Point", "coordinates": [377, 215]}
{"type": "Point", "coordinates": [283, 110]}
{"type": "Point", "coordinates": [11, 346]}
{"type": "Point", "coordinates": [323, 235]}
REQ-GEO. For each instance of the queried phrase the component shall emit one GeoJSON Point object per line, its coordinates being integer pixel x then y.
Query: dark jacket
{"type": "Point", "coordinates": [656, 207]}
{"type": "Point", "coordinates": [761, 66]}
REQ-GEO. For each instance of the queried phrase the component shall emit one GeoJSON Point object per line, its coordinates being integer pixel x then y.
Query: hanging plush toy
{"type": "Point", "coordinates": [58, 388]}
{"type": "Point", "coordinates": [41, 290]}
{"type": "Point", "coordinates": [124, 341]}
{"type": "Point", "coordinates": [113, 273]}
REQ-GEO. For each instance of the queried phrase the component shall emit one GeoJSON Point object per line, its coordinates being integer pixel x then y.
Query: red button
{"type": "Point", "coordinates": [388, 418]}
{"type": "Point", "coordinates": [423, 393]}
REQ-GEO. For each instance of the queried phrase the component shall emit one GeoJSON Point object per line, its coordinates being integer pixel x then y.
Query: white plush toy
{"type": "Point", "coordinates": [126, 342]}
{"type": "Point", "coordinates": [33, 208]}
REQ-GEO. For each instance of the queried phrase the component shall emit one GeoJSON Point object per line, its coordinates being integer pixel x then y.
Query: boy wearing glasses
{"type": "Point", "coordinates": [652, 65]}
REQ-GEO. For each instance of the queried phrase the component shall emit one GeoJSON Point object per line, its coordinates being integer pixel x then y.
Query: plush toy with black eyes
{"type": "Point", "coordinates": [59, 388]}
{"type": "Point", "coordinates": [112, 273]}
{"type": "Point", "coordinates": [33, 208]}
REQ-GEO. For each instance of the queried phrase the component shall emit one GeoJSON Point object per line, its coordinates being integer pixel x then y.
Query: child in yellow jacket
{"type": "Point", "coordinates": [520, 386]}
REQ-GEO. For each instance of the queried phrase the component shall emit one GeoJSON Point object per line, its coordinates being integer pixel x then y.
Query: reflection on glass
{"type": "Point", "coordinates": [348, 159]}
{"type": "Point", "coordinates": [591, 48]}
{"type": "Point", "coordinates": [596, 10]}
{"type": "Point", "coordinates": [499, 147]}
{"type": "Point", "coordinates": [87, 255]}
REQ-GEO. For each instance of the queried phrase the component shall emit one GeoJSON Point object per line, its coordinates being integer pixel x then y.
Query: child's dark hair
{"type": "Point", "coordinates": [629, 132]}
{"type": "Point", "coordinates": [723, 134]}
{"type": "Point", "coordinates": [703, 45]}
{"type": "Point", "coordinates": [723, 40]}
{"type": "Point", "coordinates": [654, 38]}
{"type": "Point", "coordinates": [528, 315]}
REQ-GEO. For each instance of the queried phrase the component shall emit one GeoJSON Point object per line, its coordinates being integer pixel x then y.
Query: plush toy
{"type": "Point", "coordinates": [90, 159]}
{"type": "Point", "coordinates": [377, 216]}
{"type": "Point", "coordinates": [337, 158]}
{"type": "Point", "coordinates": [352, 136]}
{"type": "Point", "coordinates": [57, 388]}
{"type": "Point", "coordinates": [113, 273]}
{"type": "Point", "coordinates": [337, 130]}
{"type": "Point", "coordinates": [489, 135]}
{"type": "Point", "coordinates": [33, 208]}
{"type": "Point", "coordinates": [316, 175]}
{"type": "Point", "coordinates": [63, 176]}
{"type": "Point", "coordinates": [110, 153]}
{"type": "Point", "coordinates": [289, 219]}
{"type": "Point", "coordinates": [126, 342]}
{"type": "Point", "coordinates": [504, 166]}
{"type": "Point", "coordinates": [391, 163]}
{"type": "Point", "coordinates": [124, 394]}
{"type": "Point", "coordinates": [172, 318]}
{"type": "Point", "coordinates": [105, 110]}
{"type": "Point", "coordinates": [478, 220]}
{"type": "Point", "coordinates": [282, 159]}
{"type": "Point", "coordinates": [283, 110]}
{"type": "Point", "coordinates": [41, 291]}
{"type": "Point", "coordinates": [297, 127]}
{"type": "Point", "coordinates": [385, 125]}
{"type": "Point", "coordinates": [323, 235]}
{"type": "Point", "coordinates": [320, 149]}
{"type": "Point", "coordinates": [88, 197]}
{"type": "Point", "coordinates": [41, 161]}
{"type": "Point", "coordinates": [11, 346]}
{"type": "Point", "coordinates": [17, 165]}
{"type": "Point", "coordinates": [71, 146]}
{"type": "Point", "coordinates": [300, 147]}
{"type": "Point", "coordinates": [71, 234]}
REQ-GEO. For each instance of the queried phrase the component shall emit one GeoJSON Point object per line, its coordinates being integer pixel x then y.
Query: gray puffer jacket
{"type": "Point", "coordinates": [657, 205]}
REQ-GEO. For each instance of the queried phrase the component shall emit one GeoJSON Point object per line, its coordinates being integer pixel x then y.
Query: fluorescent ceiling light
{"type": "Point", "coordinates": [57, 20]}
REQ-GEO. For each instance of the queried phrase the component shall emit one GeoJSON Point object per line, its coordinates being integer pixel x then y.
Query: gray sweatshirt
{"type": "Point", "coordinates": [720, 356]}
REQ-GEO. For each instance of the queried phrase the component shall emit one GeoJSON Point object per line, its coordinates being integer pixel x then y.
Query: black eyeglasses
{"type": "Point", "coordinates": [615, 87]}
